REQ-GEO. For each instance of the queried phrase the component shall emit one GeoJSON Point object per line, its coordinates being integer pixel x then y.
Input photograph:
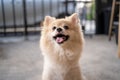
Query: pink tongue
{"type": "Point", "coordinates": [59, 39]}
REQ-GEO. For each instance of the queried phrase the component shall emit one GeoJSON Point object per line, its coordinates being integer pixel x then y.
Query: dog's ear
{"type": "Point", "coordinates": [48, 20]}
{"type": "Point", "coordinates": [74, 18]}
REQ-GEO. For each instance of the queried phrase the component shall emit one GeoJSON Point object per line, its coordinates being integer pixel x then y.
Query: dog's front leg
{"type": "Point", "coordinates": [51, 75]}
{"type": "Point", "coordinates": [47, 75]}
{"type": "Point", "coordinates": [74, 74]}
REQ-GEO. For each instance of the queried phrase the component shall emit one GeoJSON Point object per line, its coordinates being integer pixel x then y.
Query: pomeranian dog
{"type": "Point", "coordinates": [61, 44]}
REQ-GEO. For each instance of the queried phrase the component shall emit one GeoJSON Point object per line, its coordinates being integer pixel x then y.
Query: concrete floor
{"type": "Point", "coordinates": [23, 60]}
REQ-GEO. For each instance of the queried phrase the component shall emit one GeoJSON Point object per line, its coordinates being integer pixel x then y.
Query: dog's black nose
{"type": "Point", "coordinates": [59, 29]}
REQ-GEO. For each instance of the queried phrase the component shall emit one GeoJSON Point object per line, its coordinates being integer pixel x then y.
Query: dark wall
{"type": "Point", "coordinates": [103, 8]}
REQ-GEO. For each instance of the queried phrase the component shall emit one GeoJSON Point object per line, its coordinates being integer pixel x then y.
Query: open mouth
{"type": "Point", "coordinates": [60, 38]}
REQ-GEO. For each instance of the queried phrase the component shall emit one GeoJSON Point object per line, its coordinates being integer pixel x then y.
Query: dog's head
{"type": "Point", "coordinates": [62, 31]}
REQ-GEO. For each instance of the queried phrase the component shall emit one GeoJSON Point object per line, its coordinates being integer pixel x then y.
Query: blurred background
{"type": "Point", "coordinates": [23, 17]}
{"type": "Point", "coordinates": [20, 27]}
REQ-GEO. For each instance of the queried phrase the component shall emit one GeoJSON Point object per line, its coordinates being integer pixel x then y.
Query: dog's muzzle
{"type": "Point", "coordinates": [61, 38]}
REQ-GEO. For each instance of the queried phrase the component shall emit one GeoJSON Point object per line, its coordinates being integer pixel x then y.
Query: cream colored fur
{"type": "Point", "coordinates": [61, 61]}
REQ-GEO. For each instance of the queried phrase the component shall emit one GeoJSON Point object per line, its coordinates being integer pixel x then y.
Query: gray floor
{"type": "Point", "coordinates": [22, 60]}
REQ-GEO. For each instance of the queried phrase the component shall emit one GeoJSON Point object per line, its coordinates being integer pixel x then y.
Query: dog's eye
{"type": "Point", "coordinates": [66, 27]}
{"type": "Point", "coordinates": [54, 28]}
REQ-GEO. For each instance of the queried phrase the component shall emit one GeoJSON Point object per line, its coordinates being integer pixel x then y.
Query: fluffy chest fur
{"type": "Point", "coordinates": [64, 67]}
{"type": "Point", "coordinates": [58, 54]}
